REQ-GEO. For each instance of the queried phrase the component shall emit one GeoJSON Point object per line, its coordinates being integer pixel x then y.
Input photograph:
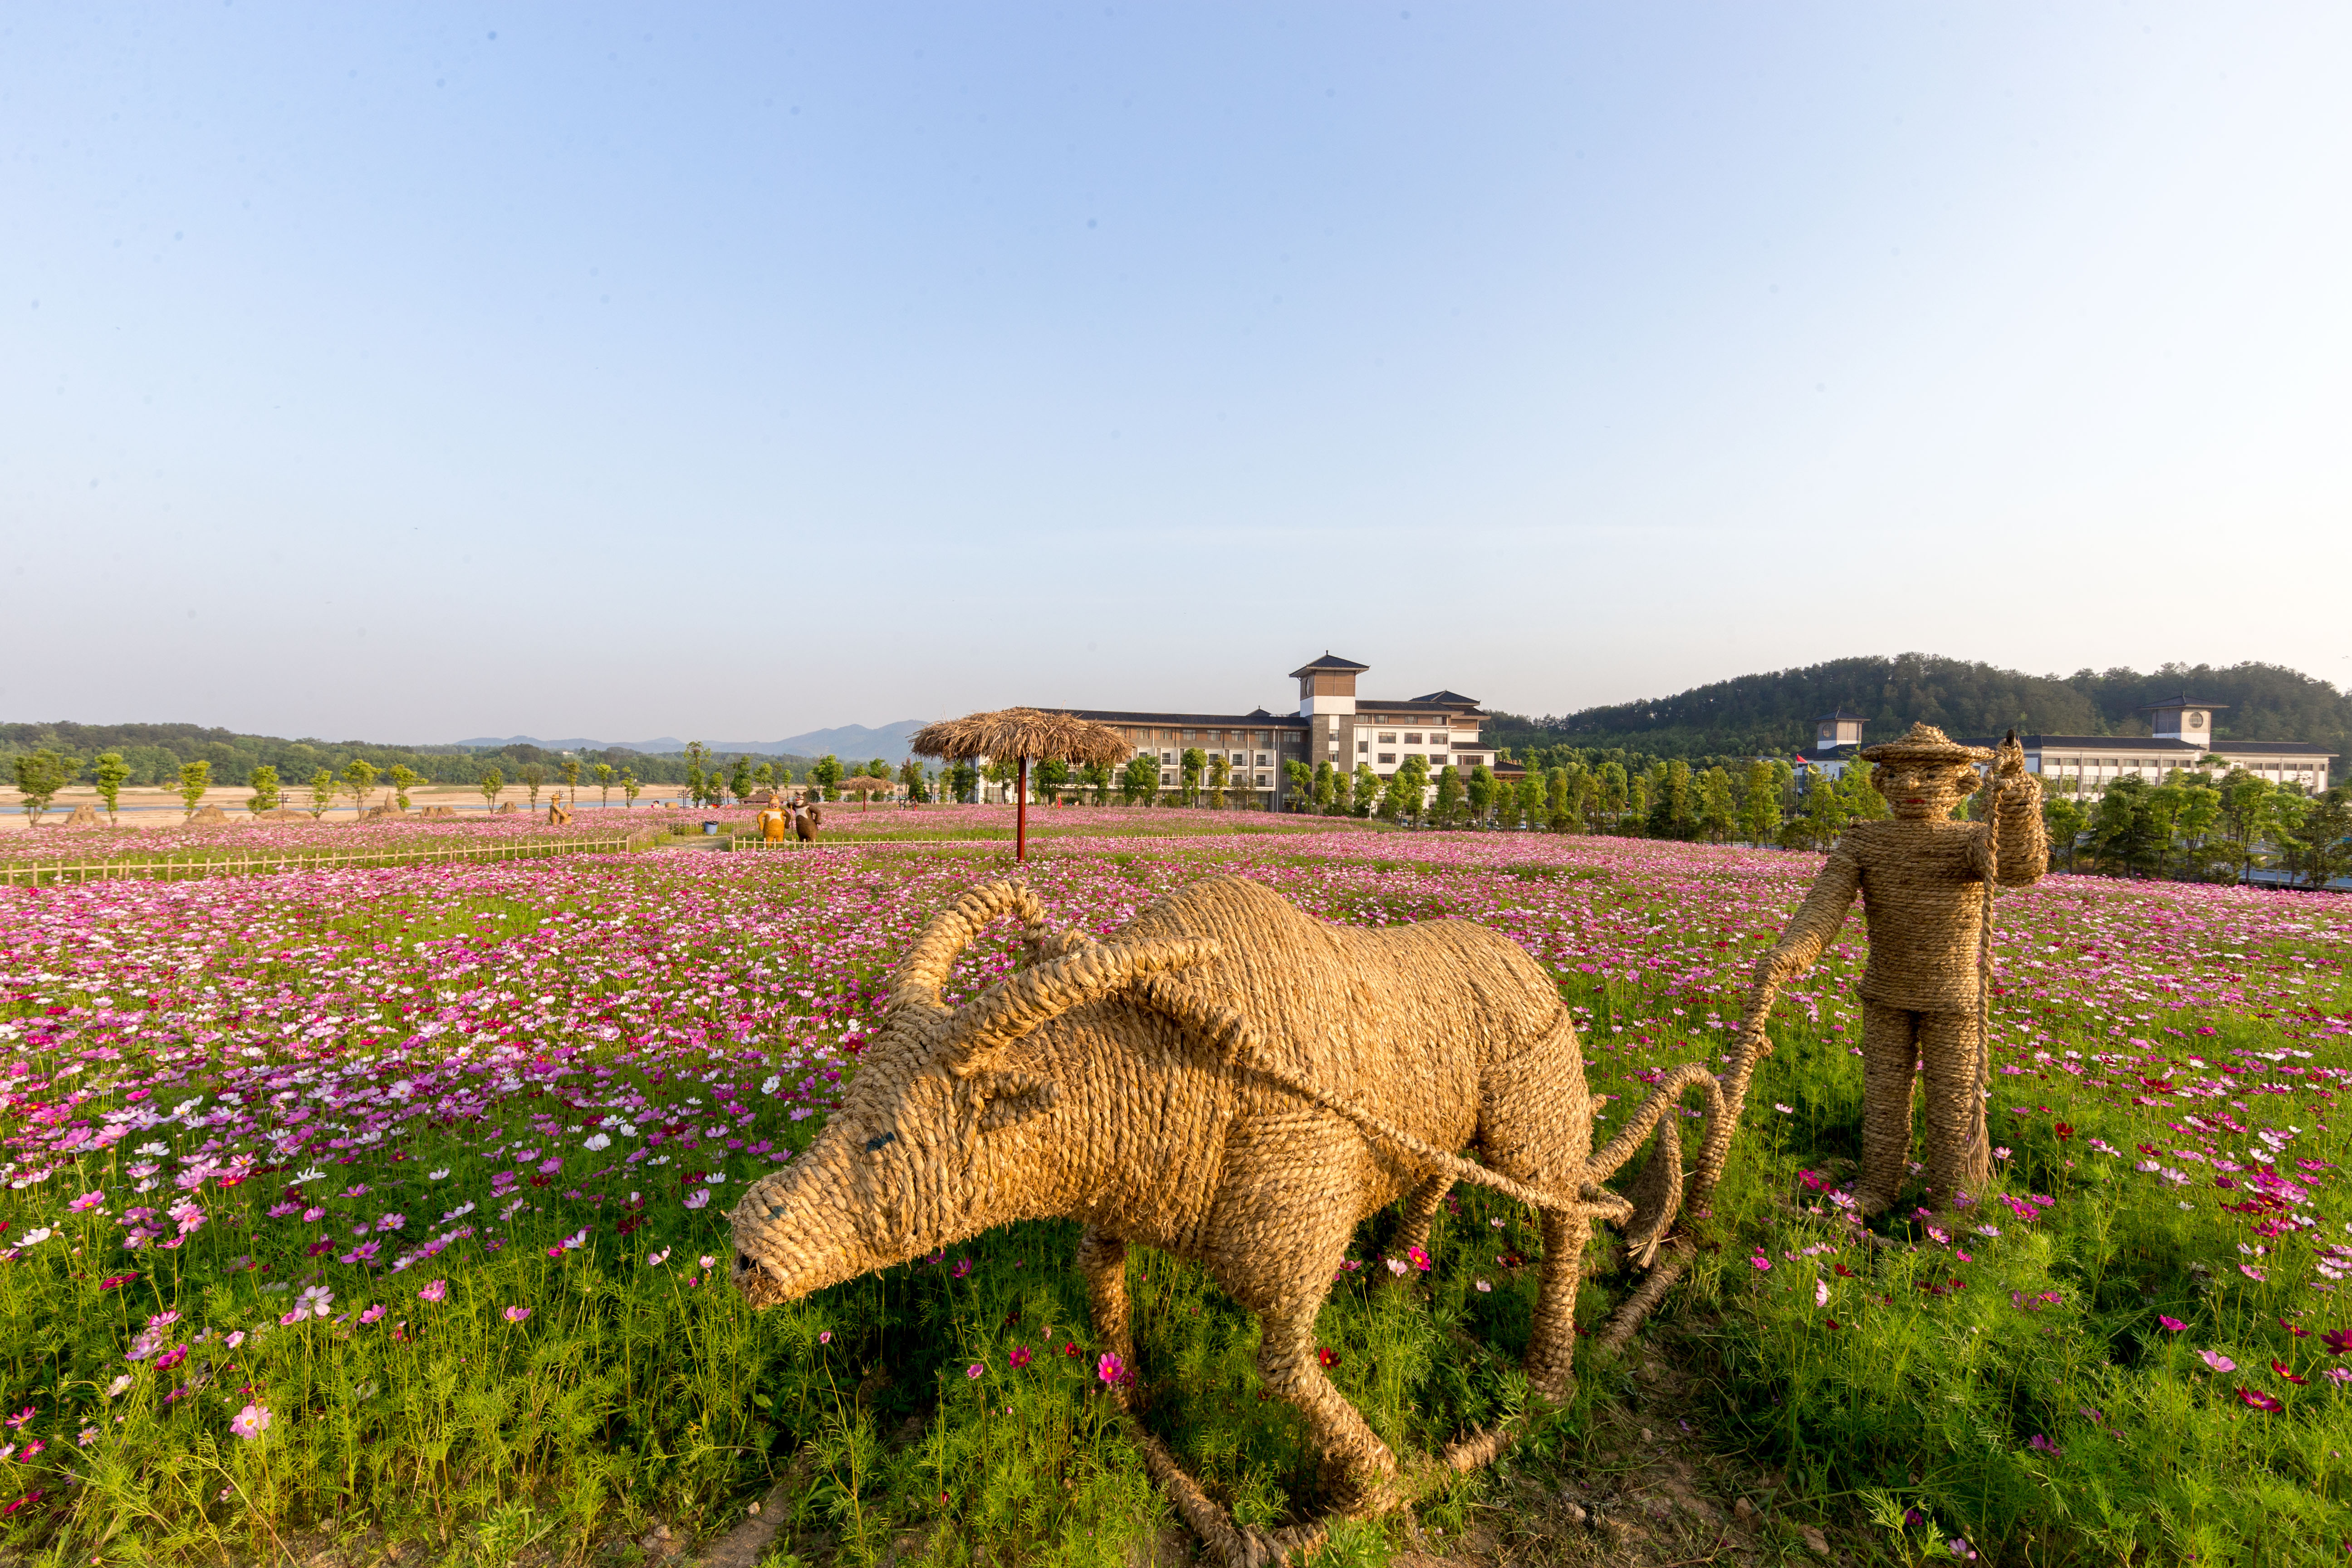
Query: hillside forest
{"type": "Point", "coordinates": [1773, 713]}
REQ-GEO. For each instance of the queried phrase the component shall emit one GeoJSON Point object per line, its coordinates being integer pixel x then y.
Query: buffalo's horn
{"type": "Point", "coordinates": [945, 934]}
{"type": "Point", "coordinates": [1014, 1006]}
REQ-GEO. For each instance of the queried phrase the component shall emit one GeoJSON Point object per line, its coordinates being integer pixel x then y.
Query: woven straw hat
{"type": "Point", "coordinates": [1924, 743]}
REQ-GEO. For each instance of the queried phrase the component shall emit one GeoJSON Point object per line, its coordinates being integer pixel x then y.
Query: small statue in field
{"type": "Point", "coordinates": [1926, 881]}
{"type": "Point", "coordinates": [1236, 1083]}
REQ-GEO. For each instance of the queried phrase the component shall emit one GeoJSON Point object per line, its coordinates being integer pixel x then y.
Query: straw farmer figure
{"type": "Point", "coordinates": [1926, 881]}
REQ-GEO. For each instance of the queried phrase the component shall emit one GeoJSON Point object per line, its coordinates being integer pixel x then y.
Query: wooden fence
{"type": "Point", "coordinates": [265, 864]}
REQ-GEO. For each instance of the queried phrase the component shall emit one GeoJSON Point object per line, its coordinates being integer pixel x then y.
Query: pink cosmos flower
{"type": "Point", "coordinates": [2256, 1399]}
{"type": "Point", "coordinates": [1110, 1369]}
{"type": "Point", "coordinates": [2041, 1444]}
{"type": "Point", "coordinates": [2171, 1325]}
{"type": "Point", "coordinates": [2217, 1361]}
{"type": "Point", "coordinates": [250, 1422]}
{"type": "Point", "coordinates": [973, 1370]}
{"type": "Point", "coordinates": [517, 1314]}
{"type": "Point", "coordinates": [1020, 1357]}
{"type": "Point", "coordinates": [372, 1314]}
{"type": "Point", "coordinates": [434, 1293]}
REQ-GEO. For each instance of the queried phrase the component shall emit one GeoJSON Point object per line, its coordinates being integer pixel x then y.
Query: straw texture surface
{"type": "Point", "coordinates": [1232, 1081]}
{"type": "Point", "coordinates": [1925, 883]}
{"type": "Point", "coordinates": [1021, 732]}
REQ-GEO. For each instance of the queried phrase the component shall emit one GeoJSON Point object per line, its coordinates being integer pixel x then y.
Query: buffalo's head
{"type": "Point", "coordinates": [950, 1126]}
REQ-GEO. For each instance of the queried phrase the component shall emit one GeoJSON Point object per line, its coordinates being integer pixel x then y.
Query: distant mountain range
{"type": "Point", "coordinates": [847, 742]}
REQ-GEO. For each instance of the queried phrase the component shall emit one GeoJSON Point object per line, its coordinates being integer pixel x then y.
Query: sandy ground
{"type": "Point", "coordinates": [155, 807]}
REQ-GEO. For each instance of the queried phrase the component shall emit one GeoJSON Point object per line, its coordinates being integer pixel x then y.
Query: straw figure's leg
{"type": "Point", "coordinates": [1890, 1056]}
{"type": "Point", "coordinates": [1957, 1160]}
{"type": "Point", "coordinates": [1102, 1258]}
{"type": "Point", "coordinates": [1420, 1210]}
{"type": "Point", "coordinates": [1358, 1471]}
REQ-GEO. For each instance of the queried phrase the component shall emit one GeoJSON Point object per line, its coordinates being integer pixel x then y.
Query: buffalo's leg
{"type": "Point", "coordinates": [1420, 1210]}
{"type": "Point", "coordinates": [1551, 1345]}
{"type": "Point", "coordinates": [1102, 1258]}
{"type": "Point", "coordinates": [1359, 1470]}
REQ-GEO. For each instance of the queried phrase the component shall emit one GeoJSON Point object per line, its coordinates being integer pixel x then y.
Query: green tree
{"type": "Point", "coordinates": [1220, 771]}
{"type": "Point", "coordinates": [39, 775]}
{"type": "Point", "coordinates": [533, 778]}
{"type": "Point", "coordinates": [1760, 810]}
{"type": "Point", "coordinates": [404, 779]}
{"type": "Point", "coordinates": [2249, 816]}
{"type": "Point", "coordinates": [570, 768]}
{"type": "Point", "coordinates": [2320, 844]}
{"type": "Point", "coordinates": [1616, 794]}
{"type": "Point", "coordinates": [359, 777]}
{"type": "Point", "coordinates": [2063, 818]}
{"type": "Point", "coordinates": [602, 773]}
{"type": "Point", "coordinates": [1859, 786]}
{"type": "Point", "coordinates": [111, 773]}
{"type": "Point", "coordinates": [1051, 775]}
{"type": "Point", "coordinates": [1003, 773]}
{"type": "Point", "coordinates": [1298, 783]}
{"type": "Point", "coordinates": [1097, 777]}
{"type": "Point", "coordinates": [2129, 830]}
{"type": "Point", "coordinates": [195, 779]}
{"type": "Point", "coordinates": [1138, 781]}
{"type": "Point", "coordinates": [492, 782]}
{"type": "Point", "coordinates": [963, 780]}
{"type": "Point", "coordinates": [1343, 792]}
{"type": "Point", "coordinates": [1451, 797]}
{"type": "Point", "coordinates": [1365, 792]}
{"type": "Point", "coordinates": [1189, 769]}
{"type": "Point", "coordinates": [1480, 794]}
{"type": "Point", "coordinates": [1328, 781]}
{"type": "Point", "coordinates": [827, 775]}
{"type": "Point", "coordinates": [1824, 814]}
{"type": "Point", "coordinates": [629, 789]}
{"type": "Point", "coordinates": [1673, 810]}
{"type": "Point", "coordinates": [697, 780]}
{"type": "Point", "coordinates": [1718, 815]}
{"type": "Point", "coordinates": [264, 784]}
{"type": "Point", "coordinates": [324, 787]}
{"type": "Point", "coordinates": [739, 781]}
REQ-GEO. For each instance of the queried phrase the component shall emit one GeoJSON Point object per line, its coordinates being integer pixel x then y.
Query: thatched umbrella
{"type": "Point", "coordinates": [867, 785]}
{"type": "Point", "coordinates": [1023, 732]}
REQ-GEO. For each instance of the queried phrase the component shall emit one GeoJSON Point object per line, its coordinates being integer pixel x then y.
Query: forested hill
{"type": "Point", "coordinates": [1774, 712]}
{"type": "Point", "coordinates": [155, 752]}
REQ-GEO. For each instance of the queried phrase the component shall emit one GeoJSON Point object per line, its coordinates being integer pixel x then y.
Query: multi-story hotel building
{"type": "Point", "coordinates": [2084, 765]}
{"type": "Point", "coordinates": [1333, 725]}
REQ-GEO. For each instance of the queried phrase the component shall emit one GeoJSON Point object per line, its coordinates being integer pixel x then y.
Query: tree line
{"type": "Point", "coordinates": [155, 755]}
{"type": "Point", "coordinates": [1774, 712]}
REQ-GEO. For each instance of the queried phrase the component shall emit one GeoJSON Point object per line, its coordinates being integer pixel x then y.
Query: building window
{"type": "Point", "coordinates": [1385, 757]}
{"type": "Point", "coordinates": [1166, 780]}
{"type": "Point", "coordinates": [1414, 738]}
{"type": "Point", "coordinates": [1264, 783]}
{"type": "Point", "coordinates": [1265, 737]}
{"type": "Point", "coordinates": [1389, 739]}
{"type": "Point", "coordinates": [1166, 757]}
{"type": "Point", "coordinates": [1188, 737]}
{"type": "Point", "coordinates": [1362, 747]}
{"type": "Point", "coordinates": [1261, 759]}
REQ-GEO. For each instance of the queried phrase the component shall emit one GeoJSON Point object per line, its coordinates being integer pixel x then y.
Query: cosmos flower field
{"type": "Point", "coordinates": [387, 1205]}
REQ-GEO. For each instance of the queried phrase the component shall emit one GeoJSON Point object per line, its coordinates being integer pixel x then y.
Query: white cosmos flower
{"type": "Point", "coordinates": [312, 1174]}
{"type": "Point", "coordinates": [154, 1148]}
{"type": "Point", "coordinates": [441, 1175]}
{"type": "Point", "coordinates": [34, 1237]}
{"type": "Point", "coordinates": [597, 1141]}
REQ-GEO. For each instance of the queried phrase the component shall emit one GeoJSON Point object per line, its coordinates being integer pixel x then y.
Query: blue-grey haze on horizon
{"type": "Point", "coordinates": [444, 370]}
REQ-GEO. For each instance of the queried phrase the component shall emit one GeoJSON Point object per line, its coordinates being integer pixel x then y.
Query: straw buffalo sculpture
{"type": "Point", "coordinates": [1236, 1083]}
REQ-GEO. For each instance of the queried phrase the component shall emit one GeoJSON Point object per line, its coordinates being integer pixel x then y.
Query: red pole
{"type": "Point", "coordinates": [1020, 816]}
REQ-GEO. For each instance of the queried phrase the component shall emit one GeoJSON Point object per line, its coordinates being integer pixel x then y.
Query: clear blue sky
{"type": "Point", "coordinates": [427, 371]}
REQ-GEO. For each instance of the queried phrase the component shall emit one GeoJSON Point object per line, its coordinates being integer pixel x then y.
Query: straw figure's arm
{"type": "Point", "coordinates": [2018, 849]}
{"type": "Point", "coordinates": [1816, 922]}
